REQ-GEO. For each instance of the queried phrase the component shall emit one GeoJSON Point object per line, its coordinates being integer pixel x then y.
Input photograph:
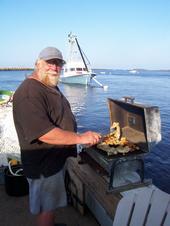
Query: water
{"type": "Point", "coordinates": [90, 108]}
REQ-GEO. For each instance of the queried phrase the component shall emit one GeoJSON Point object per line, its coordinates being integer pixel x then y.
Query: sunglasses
{"type": "Point", "coordinates": [56, 62]}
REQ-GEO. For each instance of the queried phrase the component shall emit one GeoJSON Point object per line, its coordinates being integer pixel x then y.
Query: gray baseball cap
{"type": "Point", "coordinates": [51, 53]}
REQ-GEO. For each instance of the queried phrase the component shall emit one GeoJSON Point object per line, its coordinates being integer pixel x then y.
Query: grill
{"type": "Point", "coordinates": [140, 125]}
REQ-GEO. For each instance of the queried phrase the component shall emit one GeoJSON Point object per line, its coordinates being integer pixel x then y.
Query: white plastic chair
{"type": "Point", "coordinates": [147, 206]}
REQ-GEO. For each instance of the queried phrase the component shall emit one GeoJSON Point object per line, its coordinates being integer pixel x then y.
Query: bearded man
{"type": "Point", "coordinates": [47, 134]}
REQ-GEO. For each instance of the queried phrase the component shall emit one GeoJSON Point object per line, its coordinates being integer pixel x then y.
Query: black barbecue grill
{"type": "Point", "coordinates": [140, 124]}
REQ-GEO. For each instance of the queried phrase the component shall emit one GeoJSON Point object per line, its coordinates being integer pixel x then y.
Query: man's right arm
{"type": "Point", "coordinates": [62, 137]}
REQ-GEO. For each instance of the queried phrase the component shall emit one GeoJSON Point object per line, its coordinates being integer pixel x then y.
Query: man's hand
{"type": "Point", "coordinates": [89, 138]}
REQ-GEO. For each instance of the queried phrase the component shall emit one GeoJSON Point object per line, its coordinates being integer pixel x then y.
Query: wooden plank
{"type": "Point", "coordinates": [124, 211]}
{"type": "Point", "coordinates": [159, 203]}
{"type": "Point", "coordinates": [97, 210]}
{"type": "Point", "coordinates": [142, 203]}
{"type": "Point", "coordinates": [77, 192]}
{"type": "Point", "coordinates": [95, 184]}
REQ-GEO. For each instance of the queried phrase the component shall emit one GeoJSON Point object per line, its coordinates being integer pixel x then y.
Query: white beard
{"type": "Point", "coordinates": [50, 78]}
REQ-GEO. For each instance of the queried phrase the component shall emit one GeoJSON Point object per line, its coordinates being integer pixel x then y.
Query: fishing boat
{"type": "Point", "coordinates": [77, 69]}
{"type": "Point", "coordinates": [76, 74]}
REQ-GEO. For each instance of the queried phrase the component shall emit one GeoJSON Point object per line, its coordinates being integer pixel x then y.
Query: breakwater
{"type": "Point", "coordinates": [15, 68]}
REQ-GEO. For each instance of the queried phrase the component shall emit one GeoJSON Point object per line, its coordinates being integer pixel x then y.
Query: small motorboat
{"type": "Point", "coordinates": [5, 96]}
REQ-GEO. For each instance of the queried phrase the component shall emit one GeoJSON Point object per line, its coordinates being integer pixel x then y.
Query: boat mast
{"type": "Point", "coordinates": [81, 54]}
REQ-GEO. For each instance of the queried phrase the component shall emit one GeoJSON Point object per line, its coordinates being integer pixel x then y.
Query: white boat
{"type": "Point", "coordinates": [77, 69]}
{"type": "Point", "coordinates": [133, 71]}
{"type": "Point", "coordinates": [76, 74]}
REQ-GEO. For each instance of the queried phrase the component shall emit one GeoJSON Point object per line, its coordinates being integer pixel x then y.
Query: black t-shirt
{"type": "Point", "coordinates": [37, 109]}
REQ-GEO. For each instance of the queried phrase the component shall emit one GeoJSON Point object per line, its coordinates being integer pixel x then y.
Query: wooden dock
{"type": "Point", "coordinates": [147, 206]}
{"type": "Point", "coordinates": [14, 211]}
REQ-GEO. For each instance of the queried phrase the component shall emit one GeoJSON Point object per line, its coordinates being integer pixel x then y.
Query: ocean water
{"type": "Point", "coordinates": [89, 105]}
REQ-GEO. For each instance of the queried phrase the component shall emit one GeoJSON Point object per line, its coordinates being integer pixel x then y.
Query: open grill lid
{"type": "Point", "coordinates": [140, 124]}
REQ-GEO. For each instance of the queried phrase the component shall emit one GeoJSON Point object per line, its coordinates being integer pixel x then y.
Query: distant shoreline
{"type": "Point", "coordinates": [16, 69]}
{"type": "Point", "coordinates": [102, 71]}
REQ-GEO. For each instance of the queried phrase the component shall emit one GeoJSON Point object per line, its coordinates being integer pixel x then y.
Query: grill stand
{"type": "Point", "coordinates": [123, 173]}
{"type": "Point", "coordinates": [142, 182]}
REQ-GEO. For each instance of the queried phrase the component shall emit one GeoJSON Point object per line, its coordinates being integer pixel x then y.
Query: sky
{"type": "Point", "coordinates": [114, 34]}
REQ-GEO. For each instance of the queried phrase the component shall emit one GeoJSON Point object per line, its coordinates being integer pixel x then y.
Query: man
{"type": "Point", "coordinates": [46, 130]}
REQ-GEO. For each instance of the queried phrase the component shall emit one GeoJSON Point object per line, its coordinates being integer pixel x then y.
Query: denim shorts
{"type": "Point", "coordinates": [47, 193]}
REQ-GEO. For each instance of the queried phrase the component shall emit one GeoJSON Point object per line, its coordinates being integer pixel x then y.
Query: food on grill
{"type": "Point", "coordinates": [114, 138]}
{"type": "Point", "coordinates": [115, 128]}
{"type": "Point", "coordinates": [113, 143]}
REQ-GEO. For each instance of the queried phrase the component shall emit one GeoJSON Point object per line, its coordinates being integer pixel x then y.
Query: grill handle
{"type": "Point", "coordinates": [129, 99]}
